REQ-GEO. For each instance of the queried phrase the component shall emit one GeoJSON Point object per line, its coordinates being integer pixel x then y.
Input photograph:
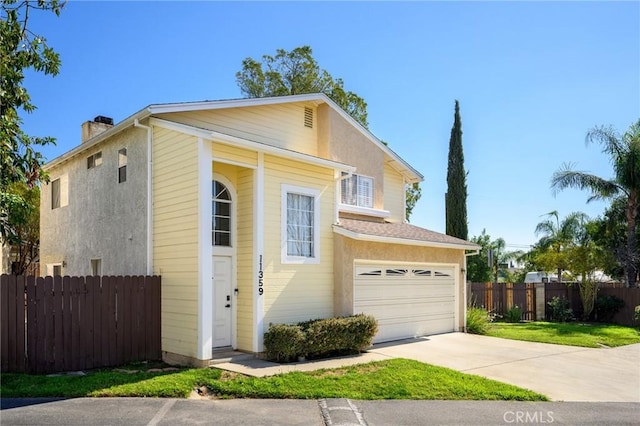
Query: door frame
{"type": "Point", "coordinates": [230, 252]}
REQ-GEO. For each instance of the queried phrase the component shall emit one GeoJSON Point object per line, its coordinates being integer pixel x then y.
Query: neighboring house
{"type": "Point", "coordinates": [253, 211]}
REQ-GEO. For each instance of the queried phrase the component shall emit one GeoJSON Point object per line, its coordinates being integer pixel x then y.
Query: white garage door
{"type": "Point", "coordinates": [407, 300]}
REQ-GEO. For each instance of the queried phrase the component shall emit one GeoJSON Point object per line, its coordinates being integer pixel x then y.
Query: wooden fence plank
{"type": "Point", "coordinates": [49, 320]}
{"type": "Point", "coordinates": [126, 318]}
{"type": "Point", "coordinates": [41, 347]}
{"type": "Point", "coordinates": [118, 287]}
{"type": "Point", "coordinates": [58, 335]}
{"type": "Point", "coordinates": [88, 322]}
{"type": "Point", "coordinates": [140, 326]}
{"type": "Point", "coordinates": [77, 360]}
{"type": "Point", "coordinates": [32, 330]}
{"type": "Point", "coordinates": [21, 319]}
{"type": "Point", "coordinates": [112, 318]}
{"type": "Point", "coordinates": [97, 322]}
{"type": "Point", "coordinates": [7, 326]}
{"type": "Point", "coordinates": [67, 321]}
{"type": "Point", "coordinates": [106, 324]}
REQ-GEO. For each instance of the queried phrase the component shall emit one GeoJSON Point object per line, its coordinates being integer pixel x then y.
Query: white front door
{"type": "Point", "coordinates": [222, 304]}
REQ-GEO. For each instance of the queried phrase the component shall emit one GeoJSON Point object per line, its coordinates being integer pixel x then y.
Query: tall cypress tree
{"type": "Point", "coordinates": [456, 197]}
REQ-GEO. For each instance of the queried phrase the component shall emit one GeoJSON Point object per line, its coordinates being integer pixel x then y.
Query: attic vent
{"type": "Point", "coordinates": [308, 117]}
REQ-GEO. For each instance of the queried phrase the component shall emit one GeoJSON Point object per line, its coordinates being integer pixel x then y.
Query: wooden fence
{"type": "Point", "coordinates": [498, 298]}
{"type": "Point", "coordinates": [56, 324]}
{"type": "Point", "coordinates": [571, 292]}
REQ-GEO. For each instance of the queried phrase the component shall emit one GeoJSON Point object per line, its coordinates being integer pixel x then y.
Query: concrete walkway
{"type": "Point", "coordinates": [563, 373]}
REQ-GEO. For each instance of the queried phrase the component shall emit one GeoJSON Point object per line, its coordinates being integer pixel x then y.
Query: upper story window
{"type": "Point", "coordinates": [94, 160]}
{"type": "Point", "coordinates": [221, 215]}
{"type": "Point", "coordinates": [122, 165]}
{"type": "Point", "coordinates": [357, 191]}
{"type": "Point", "coordinates": [60, 192]}
{"type": "Point", "coordinates": [300, 225]}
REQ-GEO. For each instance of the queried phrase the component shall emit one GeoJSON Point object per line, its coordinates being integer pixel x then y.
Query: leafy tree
{"type": "Point", "coordinates": [293, 73]}
{"type": "Point", "coordinates": [583, 257]}
{"type": "Point", "coordinates": [20, 49]}
{"type": "Point", "coordinates": [557, 236]}
{"type": "Point", "coordinates": [25, 241]}
{"type": "Point", "coordinates": [478, 267]}
{"type": "Point", "coordinates": [297, 72]}
{"type": "Point", "coordinates": [609, 233]}
{"type": "Point", "coordinates": [456, 197]}
{"type": "Point", "coordinates": [624, 153]}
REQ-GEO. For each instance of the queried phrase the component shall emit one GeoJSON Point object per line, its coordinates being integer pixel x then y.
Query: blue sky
{"type": "Point", "coordinates": [531, 78]}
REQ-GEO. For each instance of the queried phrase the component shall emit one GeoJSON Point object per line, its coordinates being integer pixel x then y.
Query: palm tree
{"type": "Point", "coordinates": [558, 235]}
{"type": "Point", "coordinates": [624, 153]}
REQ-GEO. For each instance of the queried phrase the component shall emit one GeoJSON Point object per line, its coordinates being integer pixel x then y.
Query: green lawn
{"type": "Point", "coordinates": [391, 379]}
{"type": "Point", "coordinates": [571, 333]}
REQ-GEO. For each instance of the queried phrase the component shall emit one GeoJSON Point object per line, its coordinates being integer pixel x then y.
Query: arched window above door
{"type": "Point", "coordinates": [221, 223]}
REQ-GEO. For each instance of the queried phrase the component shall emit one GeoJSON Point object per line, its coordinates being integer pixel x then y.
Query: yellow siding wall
{"type": "Point", "coordinates": [393, 194]}
{"type": "Point", "coordinates": [175, 237]}
{"type": "Point", "coordinates": [296, 292]}
{"type": "Point", "coordinates": [279, 125]}
{"type": "Point", "coordinates": [245, 274]}
{"type": "Point", "coordinates": [234, 154]}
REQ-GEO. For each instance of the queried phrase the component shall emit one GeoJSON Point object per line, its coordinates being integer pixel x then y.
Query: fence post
{"type": "Point", "coordinates": [540, 301]}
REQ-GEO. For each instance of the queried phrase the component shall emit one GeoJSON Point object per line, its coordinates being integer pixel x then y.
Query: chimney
{"type": "Point", "coordinates": [93, 128]}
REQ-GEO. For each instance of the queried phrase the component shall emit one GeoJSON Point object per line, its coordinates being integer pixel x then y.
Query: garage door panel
{"type": "Point", "coordinates": [407, 301]}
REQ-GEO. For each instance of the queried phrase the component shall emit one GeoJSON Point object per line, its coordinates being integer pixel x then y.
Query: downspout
{"type": "Point", "coordinates": [136, 123]}
{"type": "Point", "coordinates": [339, 179]}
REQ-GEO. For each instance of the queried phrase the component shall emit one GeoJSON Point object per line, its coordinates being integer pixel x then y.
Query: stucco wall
{"type": "Point", "coordinates": [104, 219]}
{"type": "Point", "coordinates": [339, 141]}
{"type": "Point", "coordinates": [347, 250]}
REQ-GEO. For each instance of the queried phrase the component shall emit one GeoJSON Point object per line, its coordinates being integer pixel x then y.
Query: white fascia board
{"type": "Point", "coordinates": [402, 241]}
{"type": "Point", "coordinates": [252, 145]}
{"type": "Point", "coordinates": [129, 121]}
{"type": "Point", "coordinates": [365, 211]}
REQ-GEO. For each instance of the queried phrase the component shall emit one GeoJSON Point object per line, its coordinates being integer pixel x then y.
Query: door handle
{"type": "Point", "coordinates": [228, 305]}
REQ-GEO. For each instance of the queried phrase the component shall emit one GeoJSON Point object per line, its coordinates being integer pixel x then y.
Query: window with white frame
{"type": "Point", "coordinates": [300, 225]}
{"type": "Point", "coordinates": [221, 215]}
{"type": "Point", "coordinates": [357, 191]}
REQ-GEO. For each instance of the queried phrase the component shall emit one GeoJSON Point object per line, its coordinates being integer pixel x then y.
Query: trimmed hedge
{"type": "Point", "coordinates": [320, 338]}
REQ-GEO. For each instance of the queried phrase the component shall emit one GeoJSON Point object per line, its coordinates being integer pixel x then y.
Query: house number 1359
{"type": "Point", "coordinates": [260, 276]}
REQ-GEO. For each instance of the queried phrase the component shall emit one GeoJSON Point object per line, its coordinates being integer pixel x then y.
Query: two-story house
{"type": "Point", "coordinates": [253, 211]}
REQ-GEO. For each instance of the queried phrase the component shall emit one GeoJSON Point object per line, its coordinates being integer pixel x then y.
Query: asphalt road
{"type": "Point", "coordinates": [336, 412]}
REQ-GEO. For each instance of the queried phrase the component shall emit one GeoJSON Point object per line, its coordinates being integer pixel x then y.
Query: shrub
{"type": "Point", "coordinates": [320, 338]}
{"type": "Point", "coordinates": [607, 307]}
{"type": "Point", "coordinates": [284, 343]}
{"type": "Point", "coordinates": [339, 336]}
{"type": "Point", "coordinates": [514, 314]}
{"type": "Point", "coordinates": [478, 320]}
{"type": "Point", "coordinates": [560, 310]}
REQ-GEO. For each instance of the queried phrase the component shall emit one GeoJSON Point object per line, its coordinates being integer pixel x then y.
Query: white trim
{"type": "Point", "coordinates": [258, 247]}
{"type": "Point", "coordinates": [234, 163]}
{"type": "Point", "coordinates": [236, 103]}
{"type": "Point", "coordinates": [309, 192]}
{"type": "Point", "coordinates": [205, 252]}
{"type": "Point", "coordinates": [392, 240]}
{"type": "Point", "coordinates": [348, 208]}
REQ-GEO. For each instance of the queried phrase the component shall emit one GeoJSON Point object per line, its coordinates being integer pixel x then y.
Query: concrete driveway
{"type": "Point", "coordinates": [563, 373]}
